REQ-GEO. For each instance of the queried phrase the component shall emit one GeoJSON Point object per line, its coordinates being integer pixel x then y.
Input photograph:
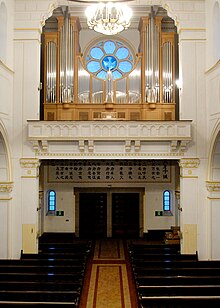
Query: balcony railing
{"type": "Point", "coordinates": [108, 136]}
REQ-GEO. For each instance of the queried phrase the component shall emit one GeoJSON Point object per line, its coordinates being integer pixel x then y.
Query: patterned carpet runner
{"type": "Point", "coordinates": [109, 281]}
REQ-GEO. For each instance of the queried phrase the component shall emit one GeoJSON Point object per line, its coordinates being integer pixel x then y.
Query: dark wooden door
{"type": "Point", "coordinates": [93, 215]}
{"type": "Point", "coordinates": [125, 215]}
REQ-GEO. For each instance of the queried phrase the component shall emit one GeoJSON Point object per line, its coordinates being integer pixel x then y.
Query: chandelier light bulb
{"type": "Point", "coordinates": [108, 18]}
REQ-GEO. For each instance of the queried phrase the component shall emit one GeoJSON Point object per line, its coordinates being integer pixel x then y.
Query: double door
{"type": "Point", "coordinates": [104, 214]}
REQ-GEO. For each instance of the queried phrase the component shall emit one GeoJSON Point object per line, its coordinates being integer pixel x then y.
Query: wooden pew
{"type": "Point", "coordinates": [165, 278]}
{"type": "Point", "coordinates": [180, 302]}
{"type": "Point", "coordinates": [52, 277]}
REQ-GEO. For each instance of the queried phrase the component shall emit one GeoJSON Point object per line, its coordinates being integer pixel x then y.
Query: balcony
{"type": "Point", "coordinates": [109, 138]}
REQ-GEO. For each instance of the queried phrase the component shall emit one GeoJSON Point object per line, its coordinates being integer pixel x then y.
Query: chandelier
{"type": "Point", "coordinates": [108, 18]}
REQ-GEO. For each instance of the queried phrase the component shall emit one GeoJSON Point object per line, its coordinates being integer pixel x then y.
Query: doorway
{"type": "Point", "coordinates": [93, 215]}
{"type": "Point", "coordinates": [116, 213]}
{"type": "Point", "coordinates": [125, 215]}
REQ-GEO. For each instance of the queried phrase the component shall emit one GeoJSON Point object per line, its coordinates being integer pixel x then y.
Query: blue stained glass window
{"type": "Point", "coordinates": [108, 55]}
{"type": "Point", "coordinates": [109, 47]}
{"type": "Point", "coordinates": [109, 63]}
{"type": "Point", "coordinates": [51, 201]}
{"type": "Point", "coordinates": [93, 66]}
{"type": "Point", "coordinates": [125, 66]}
{"type": "Point", "coordinates": [122, 53]}
{"type": "Point", "coordinates": [102, 74]}
{"type": "Point", "coordinates": [96, 53]}
{"type": "Point", "coordinates": [166, 200]}
{"type": "Point", "coordinates": [116, 74]}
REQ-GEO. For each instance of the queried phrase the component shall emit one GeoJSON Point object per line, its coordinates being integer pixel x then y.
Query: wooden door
{"type": "Point", "coordinates": [125, 215]}
{"type": "Point", "coordinates": [93, 215]}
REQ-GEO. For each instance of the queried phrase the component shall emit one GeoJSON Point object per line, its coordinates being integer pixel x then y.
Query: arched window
{"type": "Point", "coordinates": [51, 201]}
{"type": "Point", "coordinates": [166, 201]}
{"type": "Point", "coordinates": [109, 55]}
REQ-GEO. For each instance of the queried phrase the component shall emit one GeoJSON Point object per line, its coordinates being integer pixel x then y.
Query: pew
{"type": "Point", "coordinates": [165, 278]}
{"type": "Point", "coordinates": [52, 277]}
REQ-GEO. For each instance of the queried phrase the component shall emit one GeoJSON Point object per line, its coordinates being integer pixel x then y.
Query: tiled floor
{"type": "Point", "coordinates": [109, 283]}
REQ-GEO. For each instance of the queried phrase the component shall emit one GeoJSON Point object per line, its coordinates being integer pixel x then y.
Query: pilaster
{"type": "Point", "coordinates": [5, 219]}
{"type": "Point", "coordinates": [189, 204]}
{"type": "Point", "coordinates": [213, 189]}
{"type": "Point", "coordinates": [30, 197]}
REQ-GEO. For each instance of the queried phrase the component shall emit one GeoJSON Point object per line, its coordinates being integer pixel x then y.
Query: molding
{"type": "Point", "coordinates": [28, 29]}
{"type": "Point", "coordinates": [189, 162]}
{"type": "Point", "coordinates": [29, 177]}
{"type": "Point", "coordinates": [213, 186]}
{"type": "Point", "coordinates": [6, 187]}
{"type": "Point", "coordinates": [188, 177]}
{"type": "Point", "coordinates": [213, 67]}
{"type": "Point", "coordinates": [213, 198]}
{"type": "Point", "coordinates": [192, 29]}
{"type": "Point", "coordinates": [112, 155]}
{"type": "Point", "coordinates": [6, 67]}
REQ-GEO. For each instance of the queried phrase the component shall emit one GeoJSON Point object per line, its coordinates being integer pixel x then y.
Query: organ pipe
{"type": "Point", "coordinates": [66, 61]}
{"type": "Point", "coordinates": [51, 72]}
{"type": "Point", "coordinates": [152, 60]}
{"type": "Point", "coordinates": [167, 72]}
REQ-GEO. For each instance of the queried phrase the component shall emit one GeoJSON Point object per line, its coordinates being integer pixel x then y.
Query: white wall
{"type": "Point", "coordinates": [213, 32]}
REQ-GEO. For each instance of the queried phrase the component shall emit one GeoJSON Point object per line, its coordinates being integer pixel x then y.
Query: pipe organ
{"type": "Point", "coordinates": [146, 92]}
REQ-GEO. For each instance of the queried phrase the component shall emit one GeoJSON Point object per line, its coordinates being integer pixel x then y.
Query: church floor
{"type": "Point", "coordinates": [108, 281]}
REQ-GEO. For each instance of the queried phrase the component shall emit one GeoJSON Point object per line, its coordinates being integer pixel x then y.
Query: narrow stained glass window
{"type": "Point", "coordinates": [51, 201]}
{"type": "Point", "coordinates": [166, 200]}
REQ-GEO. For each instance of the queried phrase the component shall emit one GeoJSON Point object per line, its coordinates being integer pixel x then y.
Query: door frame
{"type": "Point", "coordinates": [109, 191]}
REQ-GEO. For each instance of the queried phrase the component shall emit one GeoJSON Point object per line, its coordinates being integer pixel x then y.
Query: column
{"type": "Point", "coordinates": [5, 219]}
{"type": "Point", "coordinates": [213, 220]}
{"type": "Point", "coordinates": [30, 203]}
{"type": "Point", "coordinates": [189, 190]}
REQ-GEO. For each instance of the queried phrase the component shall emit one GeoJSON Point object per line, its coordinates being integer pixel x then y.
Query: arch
{"type": "Point", "coordinates": [3, 32]}
{"type": "Point", "coordinates": [216, 31]}
{"type": "Point", "coordinates": [5, 157]}
{"type": "Point", "coordinates": [214, 154]}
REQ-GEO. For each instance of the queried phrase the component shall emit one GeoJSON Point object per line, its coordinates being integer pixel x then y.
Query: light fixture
{"type": "Point", "coordinates": [108, 18]}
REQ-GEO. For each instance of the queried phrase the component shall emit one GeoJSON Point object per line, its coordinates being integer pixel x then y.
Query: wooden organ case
{"type": "Point", "coordinates": [70, 92]}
